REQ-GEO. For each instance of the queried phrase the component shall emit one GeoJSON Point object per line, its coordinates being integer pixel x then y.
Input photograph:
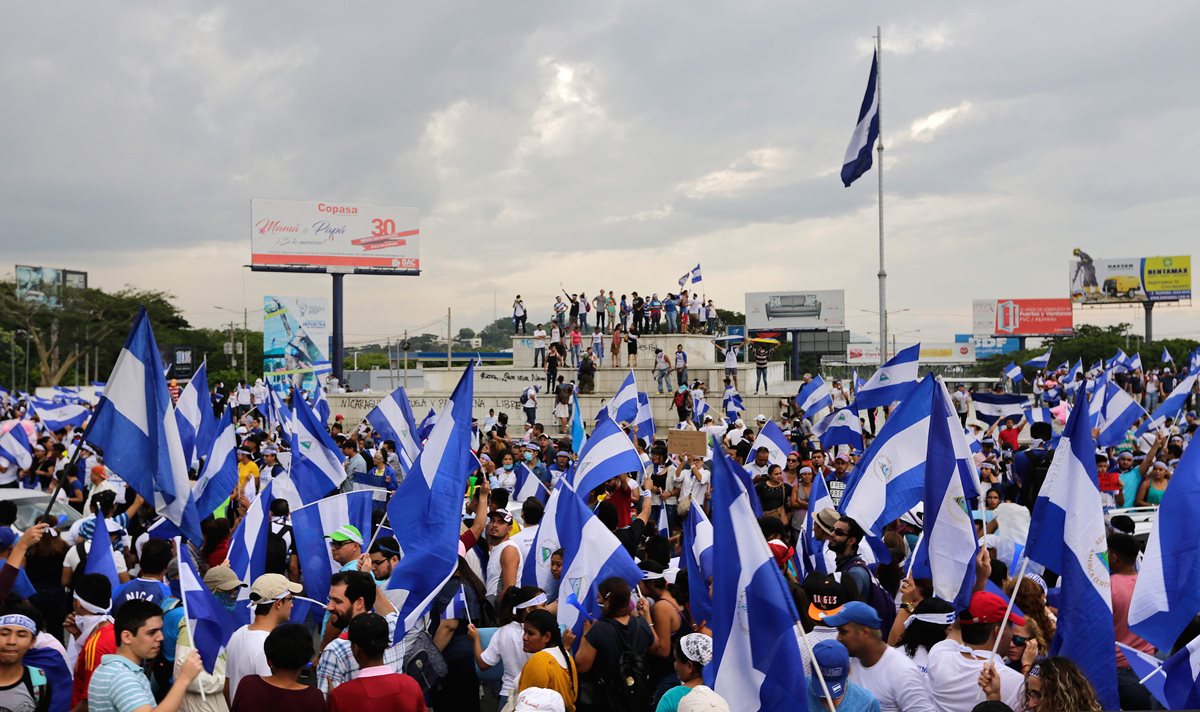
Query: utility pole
{"type": "Point", "coordinates": [245, 346]}
{"type": "Point", "coordinates": [232, 355]}
{"type": "Point", "coordinates": [405, 345]}
{"type": "Point", "coordinates": [449, 340]}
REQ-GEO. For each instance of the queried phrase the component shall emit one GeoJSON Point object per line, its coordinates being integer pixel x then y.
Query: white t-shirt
{"type": "Point", "coordinates": [71, 561]}
{"type": "Point", "coordinates": [244, 656]}
{"type": "Point", "coordinates": [894, 680]}
{"type": "Point", "coordinates": [539, 338]}
{"type": "Point", "coordinates": [9, 472]}
{"type": "Point", "coordinates": [507, 647]}
{"type": "Point", "coordinates": [493, 569]}
{"type": "Point", "coordinates": [243, 398]}
{"type": "Point", "coordinates": [952, 679]}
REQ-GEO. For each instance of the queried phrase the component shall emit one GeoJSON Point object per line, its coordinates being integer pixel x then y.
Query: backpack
{"type": "Point", "coordinates": [277, 550]}
{"type": "Point", "coordinates": [524, 397]}
{"type": "Point", "coordinates": [630, 690]}
{"type": "Point", "coordinates": [680, 399]}
{"type": "Point", "coordinates": [877, 597]}
{"type": "Point", "coordinates": [422, 660]}
{"type": "Point", "coordinates": [37, 684]}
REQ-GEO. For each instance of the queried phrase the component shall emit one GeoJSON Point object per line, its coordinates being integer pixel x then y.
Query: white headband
{"type": "Point", "coordinates": [935, 618]}
{"type": "Point", "coordinates": [18, 620]}
{"type": "Point", "coordinates": [537, 600]}
{"type": "Point", "coordinates": [91, 607]}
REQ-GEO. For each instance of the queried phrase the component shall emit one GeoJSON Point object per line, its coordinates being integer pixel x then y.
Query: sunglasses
{"type": "Point", "coordinates": [1019, 640]}
{"type": "Point", "coordinates": [840, 532]}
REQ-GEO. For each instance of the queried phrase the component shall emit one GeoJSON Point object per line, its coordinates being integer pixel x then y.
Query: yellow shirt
{"type": "Point", "coordinates": [545, 670]}
{"type": "Point", "coordinates": [246, 470]}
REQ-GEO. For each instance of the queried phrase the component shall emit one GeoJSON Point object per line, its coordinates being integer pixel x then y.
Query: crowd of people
{"type": "Point", "coordinates": [880, 640]}
{"type": "Point", "coordinates": [683, 312]}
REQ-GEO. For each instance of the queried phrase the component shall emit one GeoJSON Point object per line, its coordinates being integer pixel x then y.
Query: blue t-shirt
{"type": "Point", "coordinates": [856, 699]}
{"type": "Point", "coordinates": [151, 590]}
{"type": "Point", "coordinates": [1130, 482]}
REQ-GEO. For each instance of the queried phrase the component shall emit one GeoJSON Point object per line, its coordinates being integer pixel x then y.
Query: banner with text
{"type": "Point", "coordinates": [1130, 281]}
{"type": "Point", "coordinates": [932, 352]}
{"type": "Point", "coordinates": [1022, 317]}
{"type": "Point", "coordinates": [987, 346]}
{"type": "Point", "coordinates": [333, 235]}
{"type": "Point", "coordinates": [295, 341]}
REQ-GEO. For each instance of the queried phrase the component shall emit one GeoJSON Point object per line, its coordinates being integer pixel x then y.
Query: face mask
{"type": "Point", "coordinates": [508, 467]}
{"type": "Point", "coordinates": [528, 456]}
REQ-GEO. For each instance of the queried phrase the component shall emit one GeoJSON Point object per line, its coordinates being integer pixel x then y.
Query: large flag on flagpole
{"type": "Point", "coordinates": [220, 474]}
{"type": "Point", "coordinates": [993, 407]}
{"type": "Point", "coordinates": [1067, 535]}
{"type": "Point", "coordinates": [248, 542]}
{"type": "Point", "coordinates": [776, 443]}
{"type": "Point", "coordinates": [194, 412]}
{"type": "Point", "coordinates": [623, 407]}
{"type": "Point", "coordinates": [316, 469]}
{"type": "Point", "coordinates": [862, 142]}
{"type": "Point", "coordinates": [393, 419]}
{"type": "Point", "coordinates": [1170, 406]}
{"type": "Point", "coordinates": [814, 397]}
{"type": "Point", "coordinates": [892, 382]}
{"type": "Point", "coordinates": [696, 557]}
{"type": "Point", "coordinates": [312, 522]}
{"type": "Point", "coordinates": [841, 427]}
{"type": "Point", "coordinates": [756, 655]}
{"type": "Point", "coordinates": [135, 426]}
{"type": "Point", "coordinates": [1039, 362]}
{"type": "Point", "coordinates": [607, 454]}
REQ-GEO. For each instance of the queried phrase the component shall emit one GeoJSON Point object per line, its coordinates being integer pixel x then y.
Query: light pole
{"type": "Point", "coordinates": [883, 320]}
{"type": "Point", "coordinates": [245, 346]}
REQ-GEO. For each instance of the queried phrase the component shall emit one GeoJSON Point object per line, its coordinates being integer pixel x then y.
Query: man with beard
{"type": "Point", "coordinates": [351, 594]}
{"type": "Point", "coordinates": [271, 595]}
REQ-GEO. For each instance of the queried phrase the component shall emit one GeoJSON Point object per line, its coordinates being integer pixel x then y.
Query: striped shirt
{"type": "Point", "coordinates": [337, 663]}
{"type": "Point", "coordinates": [119, 685]}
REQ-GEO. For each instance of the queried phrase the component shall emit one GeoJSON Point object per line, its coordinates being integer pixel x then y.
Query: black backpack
{"type": "Point", "coordinates": [278, 551]}
{"type": "Point", "coordinates": [877, 597]}
{"type": "Point", "coordinates": [524, 397]}
{"type": "Point", "coordinates": [630, 687]}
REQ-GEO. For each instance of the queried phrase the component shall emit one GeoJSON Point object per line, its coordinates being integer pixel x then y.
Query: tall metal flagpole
{"type": "Point", "coordinates": [883, 320]}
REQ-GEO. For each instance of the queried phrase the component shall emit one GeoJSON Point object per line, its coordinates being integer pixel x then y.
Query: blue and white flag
{"type": "Point", "coordinates": [425, 511]}
{"type": "Point", "coordinates": [607, 454]}
{"type": "Point", "coordinates": [1038, 415]}
{"type": "Point", "coordinates": [425, 427]}
{"type": "Point", "coordinates": [1013, 372]}
{"type": "Point", "coordinates": [191, 410]}
{"type": "Point", "coordinates": [528, 485]}
{"type": "Point", "coordinates": [393, 419]}
{"type": "Point", "coordinates": [1148, 669]}
{"type": "Point", "coordinates": [15, 446]}
{"type": "Point", "coordinates": [623, 407]}
{"type": "Point", "coordinates": [857, 381]}
{"type": "Point", "coordinates": [947, 548]}
{"type": "Point", "coordinates": [700, 408]}
{"type": "Point", "coordinates": [57, 417]}
{"type": "Point", "coordinates": [994, 407]}
{"type": "Point", "coordinates": [456, 608]}
{"type": "Point", "coordinates": [889, 479]}
{"type": "Point", "coordinates": [312, 522]}
{"type": "Point", "coordinates": [1134, 362]}
{"type": "Point", "coordinates": [316, 468]}
{"type": "Point", "coordinates": [100, 552]}
{"type": "Point", "coordinates": [1182, 684]}
{"type": "Point", "coordinates": [1167, 593]}
{"type": "Point", "coordinates": [814, 397]}
{"type": "Point", "coordinates": [321, 403]}
{"type": "Point", "coordinates": [277, 414]}
{"type": "Point", "coordinates": [1166, 356]}
{"type": "Point", "coordinates": [1039, 362]}
{"type": "Point", "coordinates": [1170, 406]}
{"type": "Point", "coordinates": [1071, 382]}
{"type": "Point", "coordinates": [662, 525]}
{"type": "Point", "coordinates": [1118, 413]}
{"type": "Point", "coordinates": [219, 477]}
{"type": "Point", "coordinates": [1194, 361]}
{"type": "Point", "coordinates": [578, 434]}
{"type": "Point", "coordinates": [776, 443]}
{"type": "Point", "coordinates": [862, 142]}
{"type": "Point", "coordinates": [892, 382]}
{"type": "Point", "coordinates": [536, 568]}
{"type": "Point", "coordinates": [644, 421]}
{"type": "Point", "coordinates": [732, 405]}
{"type": "Point", "coordinates": [696, 273]}
{"type": "Point", "coordinates": [210, 624]}
{"type": "Point", "coordinates": [841, 427]}
{"type": "Point", "coordinates": [591, 555]}
{"type": "Point", "coordinates": [683, 280]}
{"type": "Point", "coordinates": [756, 655]}
{"type": "Point", "coordinates": [135, 426]}
{"type": "Point", "coordinates": [1067, 535]}
{"type": "Point", "coordinates": [696, 558]}
{"type": "Point", "coordinates": [248, 542]}
{"type": "Point", "coordinates": [1118, 363]}
{"type": "Point", "coordinates": [811, 549]}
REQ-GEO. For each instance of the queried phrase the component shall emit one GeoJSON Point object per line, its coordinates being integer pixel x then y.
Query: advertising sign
{"type": "Point", "coordinates": [818, 309]}
{"type": "Point", "coordinates": [933, 353]}
{"type": "Point", "coordinates": [1130, 281]}
{"type": "Point", "coordinates": [183, 362]}
{"type": "Point", "coordinates": [339, 235]}
{"type": "Point", "coordinates": [986, 346]}
{"type": "Point", "coordinates": [295, 341]}
{"type": "Point", "coordinates": [44, 285]}
{"type": "Point", "coordinates": [1022, 317]}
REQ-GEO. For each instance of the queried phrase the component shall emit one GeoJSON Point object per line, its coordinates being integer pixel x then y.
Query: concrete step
{"type": "Point", "coordinates": [512, 381]}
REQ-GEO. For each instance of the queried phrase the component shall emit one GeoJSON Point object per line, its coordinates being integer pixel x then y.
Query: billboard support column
{"type": "Point", "coordinates": [794, 366]}
{"type": "Point", "coordinates": [336, 356]}
{"type": "Point", "coordinates": [1149, 321]}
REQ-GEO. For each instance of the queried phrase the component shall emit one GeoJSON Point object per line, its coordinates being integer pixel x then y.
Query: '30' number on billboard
{"type": "Point", "coordinates": [383, 227]}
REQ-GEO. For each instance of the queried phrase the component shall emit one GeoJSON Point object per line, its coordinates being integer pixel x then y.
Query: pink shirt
{"type": "Point", "coordinates": [1122, 592]}
{"type": "Point", "coordinates": [576, 339]}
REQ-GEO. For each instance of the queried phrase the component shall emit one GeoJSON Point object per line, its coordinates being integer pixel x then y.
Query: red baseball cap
{"type": "Point", "coordinates": [987, 607]}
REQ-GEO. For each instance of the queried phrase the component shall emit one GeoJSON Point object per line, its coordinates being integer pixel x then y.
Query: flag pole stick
{"type": "Point", "coordinates": [816, 668]}
{"type": "Point", "coordinates": [913, 556]}
{"type": "Point", "coordinates": [375, 534]}
{"type": "Point", "coordinates": [62, 477]}
{"type": "Point", "coordinates": [883, 320]}
{"type": "Point", "coordinates": [1153, 672]}
{"type": "Point", "coordinates": [1008, 611]}
{"type": "Point", "coordinates": [187, 617]}
{"type": "Point", "coordinates": [466, 608]}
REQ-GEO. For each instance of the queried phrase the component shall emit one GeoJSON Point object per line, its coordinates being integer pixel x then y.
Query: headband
{"type": "Point", "coordinates": [934, 618]}
{"type": "Point", "coordinates": [537, 600]}
{"type": "Point", "coordinates": [652, 575]}
{"type": "Point", "coordinates": [20, 621]}
{"type": "Point", "coordinates": [93, 608]}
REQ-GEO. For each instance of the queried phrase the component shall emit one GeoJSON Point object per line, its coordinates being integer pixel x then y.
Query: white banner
{"type": "Point", "coordinates": [933, 352]}
{"type": "Point", "coordinates": [817, 309]}
{"type": "Point", "coordinates": [341, 235]}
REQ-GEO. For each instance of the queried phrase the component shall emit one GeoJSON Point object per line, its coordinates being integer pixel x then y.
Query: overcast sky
{"type": "Point", "coordinates": [604, 145]}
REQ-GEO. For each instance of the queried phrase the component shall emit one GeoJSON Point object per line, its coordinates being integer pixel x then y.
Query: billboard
{"type": "Point", "coordinates": [817, 309]}
{"type": "Point", "coordinates": [1022, 317]}
{"type": "Point", "coordinates": [340, 235]}
{"type": "Point", "coordinates": [986, 346]}
{"type": "Point", "coordinates": [932, 352]}
{"type": "Point", "coordinates": [1130, 281]}
{"type": "Point", "coordinates": [44, 285]}
{"type": "Point", "coordinates": [295, 341]}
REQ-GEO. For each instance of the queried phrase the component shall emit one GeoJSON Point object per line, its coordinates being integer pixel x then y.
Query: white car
{"type": "Point", "coordinates": [31, 504]}
{"type": "Point", "coordinates": [1143, 520]}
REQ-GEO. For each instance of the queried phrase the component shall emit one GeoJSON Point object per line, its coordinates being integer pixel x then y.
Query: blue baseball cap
{"type": "Point", "coordinates": [7, 538]}
{"type": "Point", "coordinates": [834, 661]}
{"type": "Point", "coordinates": [855, 612]}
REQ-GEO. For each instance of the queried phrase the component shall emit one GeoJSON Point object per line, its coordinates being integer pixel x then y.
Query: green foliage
{"type": "Point", "coordinates": [1090, 344]}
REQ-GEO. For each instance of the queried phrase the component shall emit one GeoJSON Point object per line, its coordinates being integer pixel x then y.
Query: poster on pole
{"type": "Point", "coordinates": [815, 309]}
{"type": "Point", "coordinates": [295, 342]}
{"type": "Point", "coordinates": [338, 236]}
{"type": "Point", "coordinates": [1133, 280]}
{"type": "Point", "coordinates": [1022, 317]}
{"type": "Point", "coordinates": [44, 285]}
